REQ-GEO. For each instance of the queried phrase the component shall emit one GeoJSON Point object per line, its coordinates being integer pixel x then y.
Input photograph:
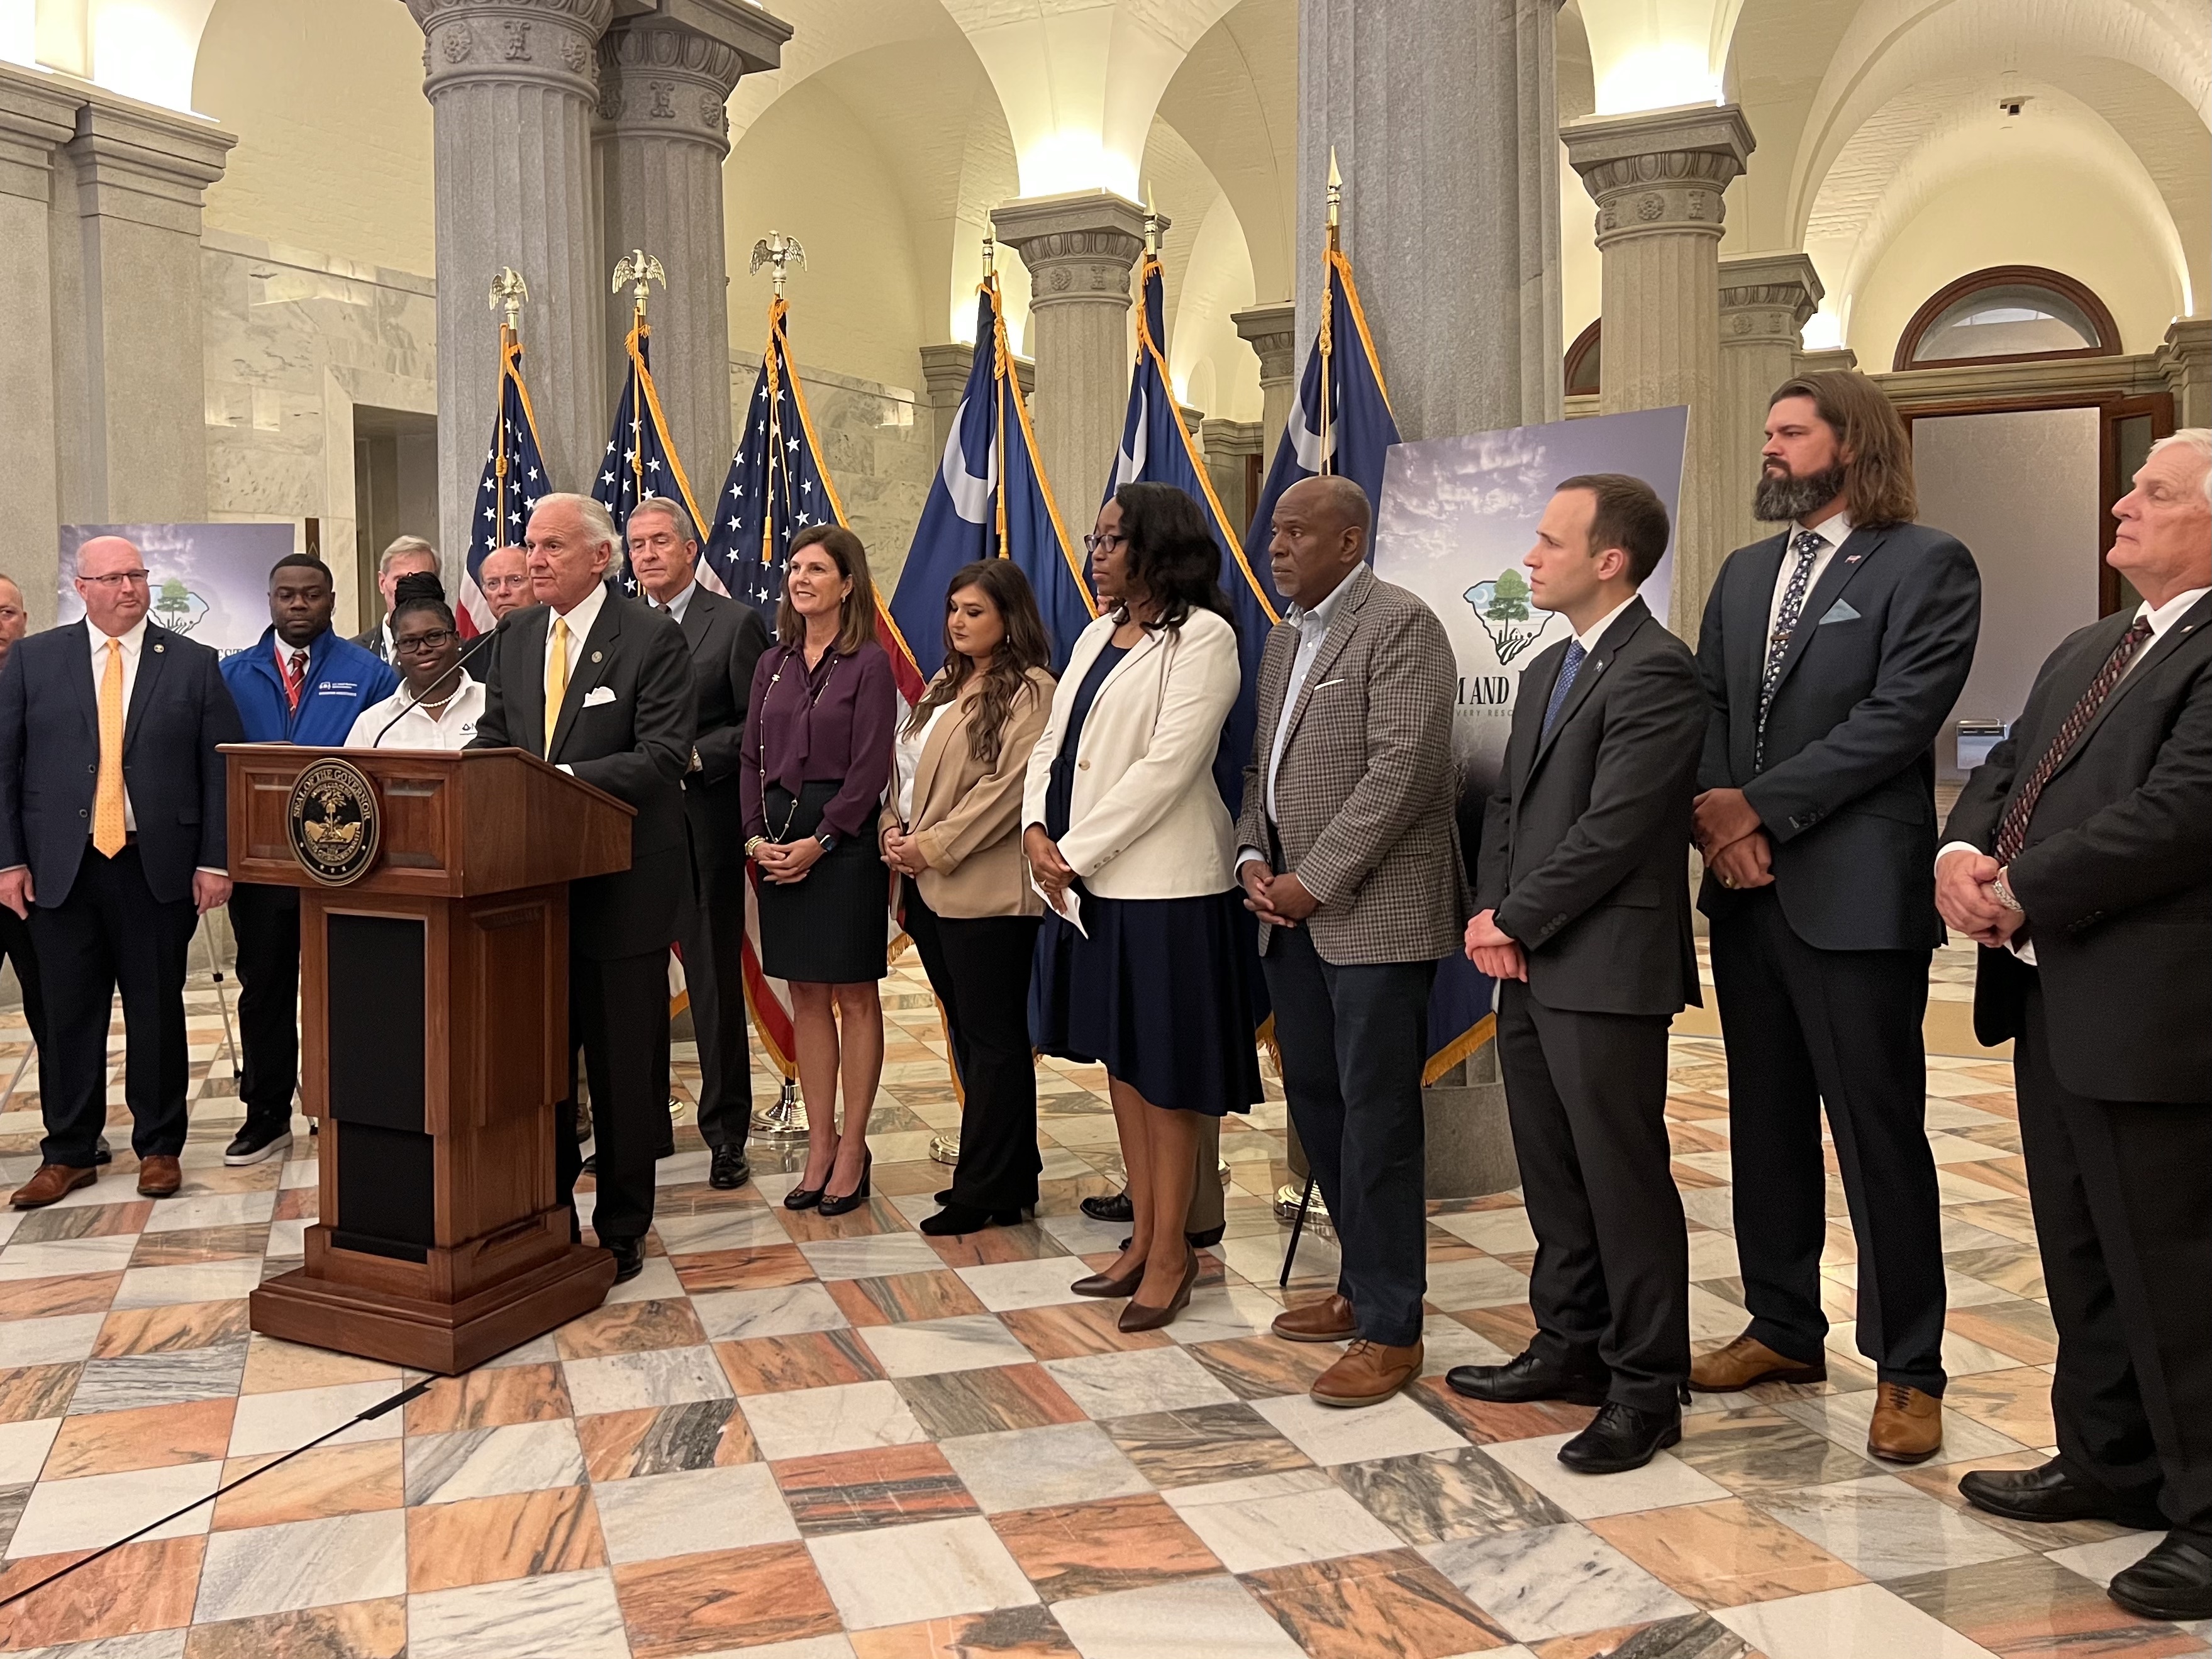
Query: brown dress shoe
{"type": "Point", "coordinates": [1745, 1361]}
{"type": "Point", "coordinates": [1368, 1375]}
{"type": "Point", "coordinates": [1329, 1319]}
{"type": "Point", "coordinates": [160, 1176]}
{"type": "Point", "coordinates": [51, 1182]}
{"type": "Point", "coordinates": [1907, 1427]}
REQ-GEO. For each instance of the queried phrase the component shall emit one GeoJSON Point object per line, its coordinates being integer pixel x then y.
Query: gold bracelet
{"type": "Point", "coordinates": [755, 845]}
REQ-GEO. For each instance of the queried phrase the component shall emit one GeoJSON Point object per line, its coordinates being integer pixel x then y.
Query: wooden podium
{"type": "Point", "coordinates": [433, 1015]}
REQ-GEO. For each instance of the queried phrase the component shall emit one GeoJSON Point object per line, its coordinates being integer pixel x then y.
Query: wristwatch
{"type": "Point", "coordinates": [828, 840]}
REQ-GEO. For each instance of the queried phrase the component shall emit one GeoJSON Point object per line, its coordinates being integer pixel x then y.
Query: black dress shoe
{"type": "Point", "coordinates": [2173, 1581]}
{"type": "Point", "coordinates": [2051, 1492]}
{"type": "Point", "coordinates": [591, 1166]}
{"type": "Point", "coordinates": [104, 1153]}
{"type": "Point", "coordinates": [1526, 1377]}
{"type": "Point", "coordinates": [958, 1220]}
{"type": "Point", "coordinates": [730, 1169]}
{"type": "Point", "coordinates": [256, 1141]}
{"type": "Point", "coordinates": [1620, 1438]}
{"type": "Point", "coordinates": [1116, 1208]}
{"type": "Point", "coordinates": [629, 1258]}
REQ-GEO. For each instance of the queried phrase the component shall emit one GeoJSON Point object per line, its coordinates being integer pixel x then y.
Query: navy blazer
{"type": "Point", "coordinates": [1847, 793]}
{"type": "Point", "coordinates": [179, 710]}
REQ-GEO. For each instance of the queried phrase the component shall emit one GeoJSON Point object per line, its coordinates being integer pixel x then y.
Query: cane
{"type": "Point", "coordinates": [1298, 1226]}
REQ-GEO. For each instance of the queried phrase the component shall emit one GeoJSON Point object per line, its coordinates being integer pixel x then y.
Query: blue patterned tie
{"type": "Point", "coordinates": [1807, 545]}
{"type": "Point", "coordinates": [1568, 669]}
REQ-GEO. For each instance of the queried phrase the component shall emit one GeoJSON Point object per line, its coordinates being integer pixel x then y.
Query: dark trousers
{"type": "Point", "coordinates": [1587, 1094]}
{"type": "Point", "coordinates": [979, 966]}
{"type": "Point", "coordinates": [1353, 1041]}
{"type": "Point", "coordinates": [2122, 1192]}
{"type": "Point", "coordinates": [111, 934]}
{"type": "Point", "coordinates": [266, 922]}
{"type": "Point", "coordinates": [1806, 1028]}
{"type": "Point", "coordinates": [16, 946]}
{"type": "Point", "coordinates": [618, 1012]}
{"type": "Point", "coordinates": [714, 979]}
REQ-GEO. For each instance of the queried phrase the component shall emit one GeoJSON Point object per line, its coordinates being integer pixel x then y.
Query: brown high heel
{"type": "Point", "coordinates": [1100, 1284]}
{"type": "Point", "coordinates": [1138, 1317]}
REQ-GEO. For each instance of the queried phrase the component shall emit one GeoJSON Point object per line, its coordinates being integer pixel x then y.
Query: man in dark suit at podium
{"type": "Point", "coordinates": [112, 845]}
{"type": "Point", "coordinates": [600, 686]}
{"type": "Point", "coordinates": [725, 637]}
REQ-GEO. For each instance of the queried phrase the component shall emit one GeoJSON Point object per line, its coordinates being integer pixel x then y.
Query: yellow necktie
{"type": "Point", "coordinates": [107, 797]}
{"type": "Point", "coordinates": [557, 680]}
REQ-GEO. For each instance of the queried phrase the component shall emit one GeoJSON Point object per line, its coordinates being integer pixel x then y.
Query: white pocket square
{"type": "Point", "coordinates": [598, 696]}
{"type": "Point", "coordinates": [1839, 612]}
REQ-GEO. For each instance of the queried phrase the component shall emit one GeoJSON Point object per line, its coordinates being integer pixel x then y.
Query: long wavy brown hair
{"type": "Point", "coordinates": [1876, 447]}
{"type": "Point", "coordinates": [1026, 645]}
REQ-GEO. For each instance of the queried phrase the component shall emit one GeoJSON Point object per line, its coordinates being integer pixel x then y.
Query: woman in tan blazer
{"type": "Point", "coordinates": [951, 828]}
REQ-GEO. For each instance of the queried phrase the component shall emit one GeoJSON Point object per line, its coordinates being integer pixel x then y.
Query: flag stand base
{"type": "Point", "coordinates": [945, 1148]}
{"type": "Point", "coordinates": [786, 1118]}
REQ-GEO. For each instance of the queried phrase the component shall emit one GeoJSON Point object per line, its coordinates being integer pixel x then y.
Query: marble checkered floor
{"type": "Point", "coordinates": [794, 1438]}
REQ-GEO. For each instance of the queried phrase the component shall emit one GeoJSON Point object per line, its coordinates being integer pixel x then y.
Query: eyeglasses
{"type": "Point", "coordinates": [413, 644]}
{"type": "Point", "coordinates": [1112, 538]}
{"type": "Point", "coordinates": [116, 579]}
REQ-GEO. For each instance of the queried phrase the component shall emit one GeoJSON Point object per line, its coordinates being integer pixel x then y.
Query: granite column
{"type": "Point", "coordinates": [1079, 248]}
{"type": "Point", "coordinates": [36, 119]}
{"type": "Point", "coordinates": [1764, 300]}
{"type": "Point", "coordinates": [658, 143]}
{"type": "Point", "coordinates": [1657, 178]}
{"type": "Point", "coordinates": [1272, 331]}
{"type": "Point", "coordinates": [512, 92]}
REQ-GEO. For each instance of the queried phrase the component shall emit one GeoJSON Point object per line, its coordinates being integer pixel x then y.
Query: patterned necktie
{"type": "Point", "coordinates": [107, 827]}
{"type": "Point", "coordinates": [2012, 831]}
{"type": "Point", "coordinates": [295, 675]}
{"type": "Point", "coordinates": [1571, 666]}
{"type": "Point", "coordinates": [557, 680]}
{"type": "Point", "coordinates": [1807, 545]}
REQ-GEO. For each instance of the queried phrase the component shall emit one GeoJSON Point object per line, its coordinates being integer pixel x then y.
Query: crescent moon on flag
{"type": "Point", "coordinates": [971, 495]}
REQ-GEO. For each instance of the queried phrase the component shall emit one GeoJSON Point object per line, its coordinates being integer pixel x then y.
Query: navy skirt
{"type": "Point", "coordinates": [1160, 995]}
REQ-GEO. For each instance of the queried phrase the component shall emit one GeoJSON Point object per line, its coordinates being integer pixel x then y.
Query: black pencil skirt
{"type": "Point", "coordinates": [834, 928]}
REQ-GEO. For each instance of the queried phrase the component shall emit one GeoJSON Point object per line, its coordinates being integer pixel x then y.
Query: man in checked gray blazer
{"type": "Point", "coordinates": [1351, 860]}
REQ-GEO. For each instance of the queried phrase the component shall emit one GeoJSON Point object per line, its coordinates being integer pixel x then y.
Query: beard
{"type": "Point", "coordinates": [1782, 497]}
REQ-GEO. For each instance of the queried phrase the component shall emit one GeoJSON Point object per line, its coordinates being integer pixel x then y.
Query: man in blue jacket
{"type": "Point", "coordinates": [299, 682]}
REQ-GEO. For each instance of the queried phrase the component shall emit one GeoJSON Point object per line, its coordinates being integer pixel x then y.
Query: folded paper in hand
{"type": "Point", "coordinates": [1068, 908]}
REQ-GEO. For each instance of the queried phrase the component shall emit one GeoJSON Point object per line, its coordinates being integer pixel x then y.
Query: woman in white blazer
{"type": "Point", "coordinates": [1142, 963]}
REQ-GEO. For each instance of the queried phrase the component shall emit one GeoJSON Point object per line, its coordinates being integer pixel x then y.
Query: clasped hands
{"type": "Point", "coordinates": [785, 862]}
{"type": "Point", "coordinates": [903, 852]}
{"type": "Point", "coordinates": [1279, 900]}
{"type": "Point", "coordinates": [1727, 830]}
{"type": "Point", "coordinates": [1966, 895]}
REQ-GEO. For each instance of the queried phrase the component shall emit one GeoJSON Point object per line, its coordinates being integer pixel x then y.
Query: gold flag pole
{"type": "Point", "coordinates": [640, 271]}
{"type": "Point", "coordinates": [509, 293]}
{"type": "Point", "coordinates": [1328, 279]}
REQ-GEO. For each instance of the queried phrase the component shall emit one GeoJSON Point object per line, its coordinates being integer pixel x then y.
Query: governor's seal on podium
{"type": "Point", "coordinates": [335, 822]}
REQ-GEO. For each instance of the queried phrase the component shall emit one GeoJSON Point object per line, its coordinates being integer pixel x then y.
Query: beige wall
{"type": "Point", "coordinates": [2069, 220]}
{"type": "Point", "coordinates": [334, 133]}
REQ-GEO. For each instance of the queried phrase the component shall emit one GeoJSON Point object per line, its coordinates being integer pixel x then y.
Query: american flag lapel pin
{"type": "Point", "coordinates": [1853, 558]}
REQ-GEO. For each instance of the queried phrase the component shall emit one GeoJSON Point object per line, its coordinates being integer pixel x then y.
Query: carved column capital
{"type": "Point", "coordinates": [1767, 299]}
{"type": "Point", "coordinates": [548, 41]}
{"type": "Point", "coordinates": [667, 72]}
{"type": "Point", "coordinates": [1661, 172]}
{"type": "Point", "coordinates": [1079, 247]}
{"type": "Point", "coordinates": [1272, 331]}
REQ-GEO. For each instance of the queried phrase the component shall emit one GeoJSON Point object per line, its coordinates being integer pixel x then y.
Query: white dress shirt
{"type": "Point", "coordinates": [676, 606]}
{"type": "Point", "coordinates": [2160, 618]}
{"type": "Point", "coordinates": [906, 755]}
{"type": "Point", "coordinates": [1588, 637]}
{"type": "Point", "coordinates": [419, 726]}
{"type": "Point", "coordinates": [1832, 531]}
{"type": "Point", "coordinates": [133, 644]}
{"type": "Point", "coordinates": [1313, 628]}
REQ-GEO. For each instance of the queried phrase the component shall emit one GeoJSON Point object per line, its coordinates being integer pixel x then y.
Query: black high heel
{"type": "Point", "coordinates": [853, 1200]}
{"type": "Point", "coordinates": [806, 1198]}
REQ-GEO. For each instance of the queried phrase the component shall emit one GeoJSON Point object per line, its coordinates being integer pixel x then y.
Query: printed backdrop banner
{"type": "Point", "coordinates": [210, 581]}
{"type": "Point", "coordinates": [1458, 516]}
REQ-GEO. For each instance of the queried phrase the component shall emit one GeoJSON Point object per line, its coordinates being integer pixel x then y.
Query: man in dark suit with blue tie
{"type": "Point", "coordinates": [1583, 919]}
{"type": "Point", "coordinates": [1832, 654]}
{"type": "Point", "coordinates": [112, 843]}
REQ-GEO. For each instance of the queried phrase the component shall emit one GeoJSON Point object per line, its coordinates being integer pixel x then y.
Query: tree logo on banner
{"type": "Point", "coordinates": [1503, 609]}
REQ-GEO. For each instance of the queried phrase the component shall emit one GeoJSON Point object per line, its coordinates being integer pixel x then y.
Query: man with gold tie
{"type": "Point", "coordinates": [112, 846]}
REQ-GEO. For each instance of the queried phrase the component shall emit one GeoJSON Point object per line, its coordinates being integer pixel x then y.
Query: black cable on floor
{"type": "Point", "coordinates": [370, 1416]}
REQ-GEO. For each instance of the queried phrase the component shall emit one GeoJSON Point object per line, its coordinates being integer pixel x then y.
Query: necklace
{"type": "Point", "coordinates": [807, 715]}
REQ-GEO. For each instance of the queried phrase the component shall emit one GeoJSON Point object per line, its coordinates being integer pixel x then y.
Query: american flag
{"type": "Point", "coordinates": [777, 486]}
{"type": "Point", "coordinates": [641, 458]}
{"type": "Point", "coordinates": [514, 476]}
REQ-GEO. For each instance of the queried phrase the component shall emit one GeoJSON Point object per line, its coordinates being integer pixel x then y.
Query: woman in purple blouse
{"type": "Point", "coordinates": [816, 758]}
